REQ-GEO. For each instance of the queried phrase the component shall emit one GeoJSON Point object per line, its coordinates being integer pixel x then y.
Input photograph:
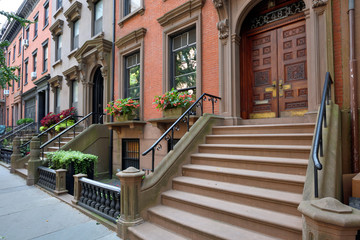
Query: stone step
{"type": "Point", "coordinates": [280, 201]}
{"type": "Point", "coordinates": [258, 163]}
{"type": "Point", "coordinates": [255, 219]}
{"type": "Point", "coordinates": [265, 129]}
{"type": "Point", "coordinates": [22, 172]}
{"type": "Point", "coordinates": [26, 165]}
{"type": "Point", "coordinates": [269, 180]}
{"type": "Point", "coordinates": [282, 151]}
{"type": "Point", "coordinates": [264, 139]}
{"type": "Point", "coordinates": [198, 227]}
{"type": "Point", "coordinates": [149, 231]}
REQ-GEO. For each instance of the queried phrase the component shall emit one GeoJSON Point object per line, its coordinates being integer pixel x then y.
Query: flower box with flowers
{"type": "Point", "coordinates": [51, 119]}
{"type": "Point", "coordinates": [173, 103]}
{"type": "Point", "coordinates": [122, 109]}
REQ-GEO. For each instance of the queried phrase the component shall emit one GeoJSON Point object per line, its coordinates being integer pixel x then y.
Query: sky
{"type": "Point", "coordinates": [9, 6]}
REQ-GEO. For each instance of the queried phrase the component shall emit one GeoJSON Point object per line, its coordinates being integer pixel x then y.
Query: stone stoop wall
{"type": "Point", "coordinates": [171, 164]}
{"type": "Point", "coordinates": [93, 140]}
{"type": "Point", "coordinates": [330, 183]}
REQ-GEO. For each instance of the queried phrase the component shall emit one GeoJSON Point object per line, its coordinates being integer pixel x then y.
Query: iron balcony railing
{"type": "Point", "coordinates": [318, 142]}
{"type": "Point", "coordinates": [185, 118]}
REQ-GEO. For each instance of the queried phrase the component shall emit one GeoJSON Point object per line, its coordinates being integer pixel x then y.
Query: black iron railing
{"type": "Point", "coordinates": [47, 178]}
{"type": "Point", "coordinates": [26, 146]}
{"type": "Point", "coordinates": [68, 130]}
{"type": "Point", "coordinates": [19, 130]}
{"type": "Point", "coordinates": [185, 118]}
{"type": "Point", "coordinates": [318, 142]}
{"type": "Point", "coordinates": [100, 198]}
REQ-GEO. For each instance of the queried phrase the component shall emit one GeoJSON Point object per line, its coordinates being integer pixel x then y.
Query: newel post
{"type": "Point", "coordinates": [130, 180]}
{"type": "Point", "coordinates": [60, 186]}
{"type": "Point", "coordinates": [16, 155]}
{"type": "Point", "coordinates": [34, 162]}
{"type": "Point", "coordinates": [77, 187]}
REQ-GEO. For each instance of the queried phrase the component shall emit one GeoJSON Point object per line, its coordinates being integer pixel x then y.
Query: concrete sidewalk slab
{"type": "Point", "coordinates": [26, 212]}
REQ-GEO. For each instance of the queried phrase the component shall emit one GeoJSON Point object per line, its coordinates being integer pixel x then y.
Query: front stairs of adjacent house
{"type": "Point", "coordinates": [52, 147]}
{"type": "Point", "coordinates": [245, 182]}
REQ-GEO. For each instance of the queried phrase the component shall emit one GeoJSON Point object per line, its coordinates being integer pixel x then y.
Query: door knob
{"type": "Point", "coordinates": [281, 84]}
{"type": "Point", "coordinates": [274, 84]}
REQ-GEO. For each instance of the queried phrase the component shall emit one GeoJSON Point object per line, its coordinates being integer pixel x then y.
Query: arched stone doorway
{"type": "Point", "coordinates": [98, 96]}
{"type": "Point", "coordinates": [274, 60]}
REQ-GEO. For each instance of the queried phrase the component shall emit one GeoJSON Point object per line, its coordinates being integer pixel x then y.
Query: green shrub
{"type": "Point", "coordinates": [64, 125]}
{"type": "Point", "coordinates": [20, 121]}
{"type": "Point", "coordinates": [63, 159]}
{"type": "Point", "coordinates": [29, 120]}
{"type": "Point", "coordinates": [24, 120]}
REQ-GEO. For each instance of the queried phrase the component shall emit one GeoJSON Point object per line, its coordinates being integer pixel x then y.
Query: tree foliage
{"type": "Point", "coordinates": [7, 73]}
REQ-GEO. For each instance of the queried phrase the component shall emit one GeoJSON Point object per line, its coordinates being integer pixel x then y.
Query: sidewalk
{"type": "Point", "coordinates": [29, 213]}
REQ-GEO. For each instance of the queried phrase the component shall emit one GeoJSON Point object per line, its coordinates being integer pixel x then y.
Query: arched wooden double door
{"type": "Point", "coordinates": [274, 74]}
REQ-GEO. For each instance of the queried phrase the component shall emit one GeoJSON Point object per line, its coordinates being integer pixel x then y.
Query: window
{"type": "Point", "coordinates": [58, 46]}
{"type": "Point", "coordinates": [26, 72]}
{"type": "Point", "coordinates": [7, 117]}
{"type": "Point", "coordinates": [183, 57]}
{"type": "Point", "coordinates": [9, 58]}
{"type": "Point", "coordinates": [36, 24]}
{"type": "Point", "coordinates": [27, 35]}
{"type": "Point", "coordinates": [132, 77]}
{"type": "Point", "coordinates": [98, 15]}
{"type": "Point", "coordinates": [46, 14]}
{"type": "Point", "coordinates": [45, 56]}
{"type": "Point", "coordinates": [131, 5]}
{"type": "Point", "coordinates": [19, 73]}
{"type": "Point", "coordinates": [14, 52]}
{"type": "Point", "coordinates": [30, 108]}
{"type": "Point", "coordinates": [58, 4]}
{"type": "Point", "coordinates": [19, 46]}
{"type": "Point", "coordinates": [13, 85]}
{"type": "Point", "coordinates": [57, 100]}
{"type": "Point", "coordinates": [74, 93]}
{"type": "Point", "coordinates": [130, 153]}
{"type": "Point", "coordinates": [34, 61]}
{"type": "Point", "coordinates": [75, 35]}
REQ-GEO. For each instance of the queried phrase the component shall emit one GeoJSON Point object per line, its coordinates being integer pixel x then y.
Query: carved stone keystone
{"type": "Point", "coordinates": [130, 180]}
{"type": "Point", "coordinates": [34, 162]}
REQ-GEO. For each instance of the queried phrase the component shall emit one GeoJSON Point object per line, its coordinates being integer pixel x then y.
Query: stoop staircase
{"type": "Point", "coordinates": [245, 182]}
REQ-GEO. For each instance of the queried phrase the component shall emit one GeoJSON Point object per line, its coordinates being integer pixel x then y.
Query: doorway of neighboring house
{"type": "Point", "coordinates": [98, 93]}
{"type": "Point", "coordinates": [274, 63]}
{"type": "Point", "coordinates": [41, 105]}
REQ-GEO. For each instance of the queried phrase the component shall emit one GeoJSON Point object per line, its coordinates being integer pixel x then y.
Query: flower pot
{"type": "Point", "coordinates": [174, 112]}
{"type": "Point", "coordinates": [124, 117]}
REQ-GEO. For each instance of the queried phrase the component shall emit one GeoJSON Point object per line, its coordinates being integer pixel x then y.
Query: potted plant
{"type": "Point", "coordinates": [122, 109]}
{"type": "Point", "coordinates": [51, 119]}
{"type": "Point", "coordinates": [173, 103]}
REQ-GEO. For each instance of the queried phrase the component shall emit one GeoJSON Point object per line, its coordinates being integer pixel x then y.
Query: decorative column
{"type": "Point", "coordinates": [77, 187]}
{"type": "Point", "coordinates": [328, 218]}
{"type": "Point", "coordinates": [34, 162]}
{"type": "Point", "coordinates": [16, 155]}
{"type": "Point", "coordinates": [130, 180]}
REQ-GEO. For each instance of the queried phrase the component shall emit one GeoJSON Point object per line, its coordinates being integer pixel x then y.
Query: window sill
{"type": "Point", "coordinates": [19, 54]}
{"type": "Point", "coordinates": [72, 52]}
{"type": "Point", "coordinates": [45, 71]}
{"type": "Point", "coordinates": [126, 124]}
{"type": "Point", "coordinates": [140, 11]}
{"type": "Point", "coordinates": [164, 123]}
{"type": "Point", "coordinates": [35, 37]}
{"type": "Point", "coordinates": [25, 84]}
{"type": "Point", "coordinates": [97, 35]}
{"type": "Point", "coordinates": [45, 26]}
{"type": "Point", "coordinates": [57, 63]}
{"type": "Point", "coordinates": [58, 11]}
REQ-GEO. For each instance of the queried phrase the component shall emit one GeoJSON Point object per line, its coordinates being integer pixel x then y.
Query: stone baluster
{"type": "Point", "coordinates": [98, 198]}
{"type": "Point", "coordinates": [130, 180]}
{"type": "Point", "coordinates": [78, 190]}
{"type": "Point", "coordinates": [112, 204]}
{"type": "Point", "coordinates": [107, 203]}
{"type": "Point", "coordinates": [103, 200]}
{"type": "Point", "coordinates": [34, 162]}
{"type": "Point", "coordinates": [117, 206]}
{"type": "Point", "coordinates": [94, 195]}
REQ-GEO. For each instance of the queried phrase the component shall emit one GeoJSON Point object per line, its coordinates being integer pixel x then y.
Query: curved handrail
{"type": "Point", "coordinates": [47, 130]}
{"type": "Point", "coordinates": [65, 131]}
{"type": "Point", "coordinates": [213, 100]}
{"type": "Point", "coordinates": [317, 144]}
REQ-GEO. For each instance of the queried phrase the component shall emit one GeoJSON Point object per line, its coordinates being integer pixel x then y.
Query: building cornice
{"type": "Point", "coordinates": [74, 12]}
{"type": "Point", "coordinates": [57, 27]}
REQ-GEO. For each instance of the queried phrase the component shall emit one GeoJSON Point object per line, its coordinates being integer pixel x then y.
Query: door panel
{"type": "Point", "coordinates": [264, 74]}
{"type": "Point", "coordinates": [278, 72]}
{"type": "Point", "coordinates": [292, 70]}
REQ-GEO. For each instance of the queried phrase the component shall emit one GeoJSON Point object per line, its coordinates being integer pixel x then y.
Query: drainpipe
{"type": "Point", "coordinates": [112, 91]}
{"type": "Point", "coordinates": [353, 90]}
{"type": "Point", "coordinates": [22, 72]}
